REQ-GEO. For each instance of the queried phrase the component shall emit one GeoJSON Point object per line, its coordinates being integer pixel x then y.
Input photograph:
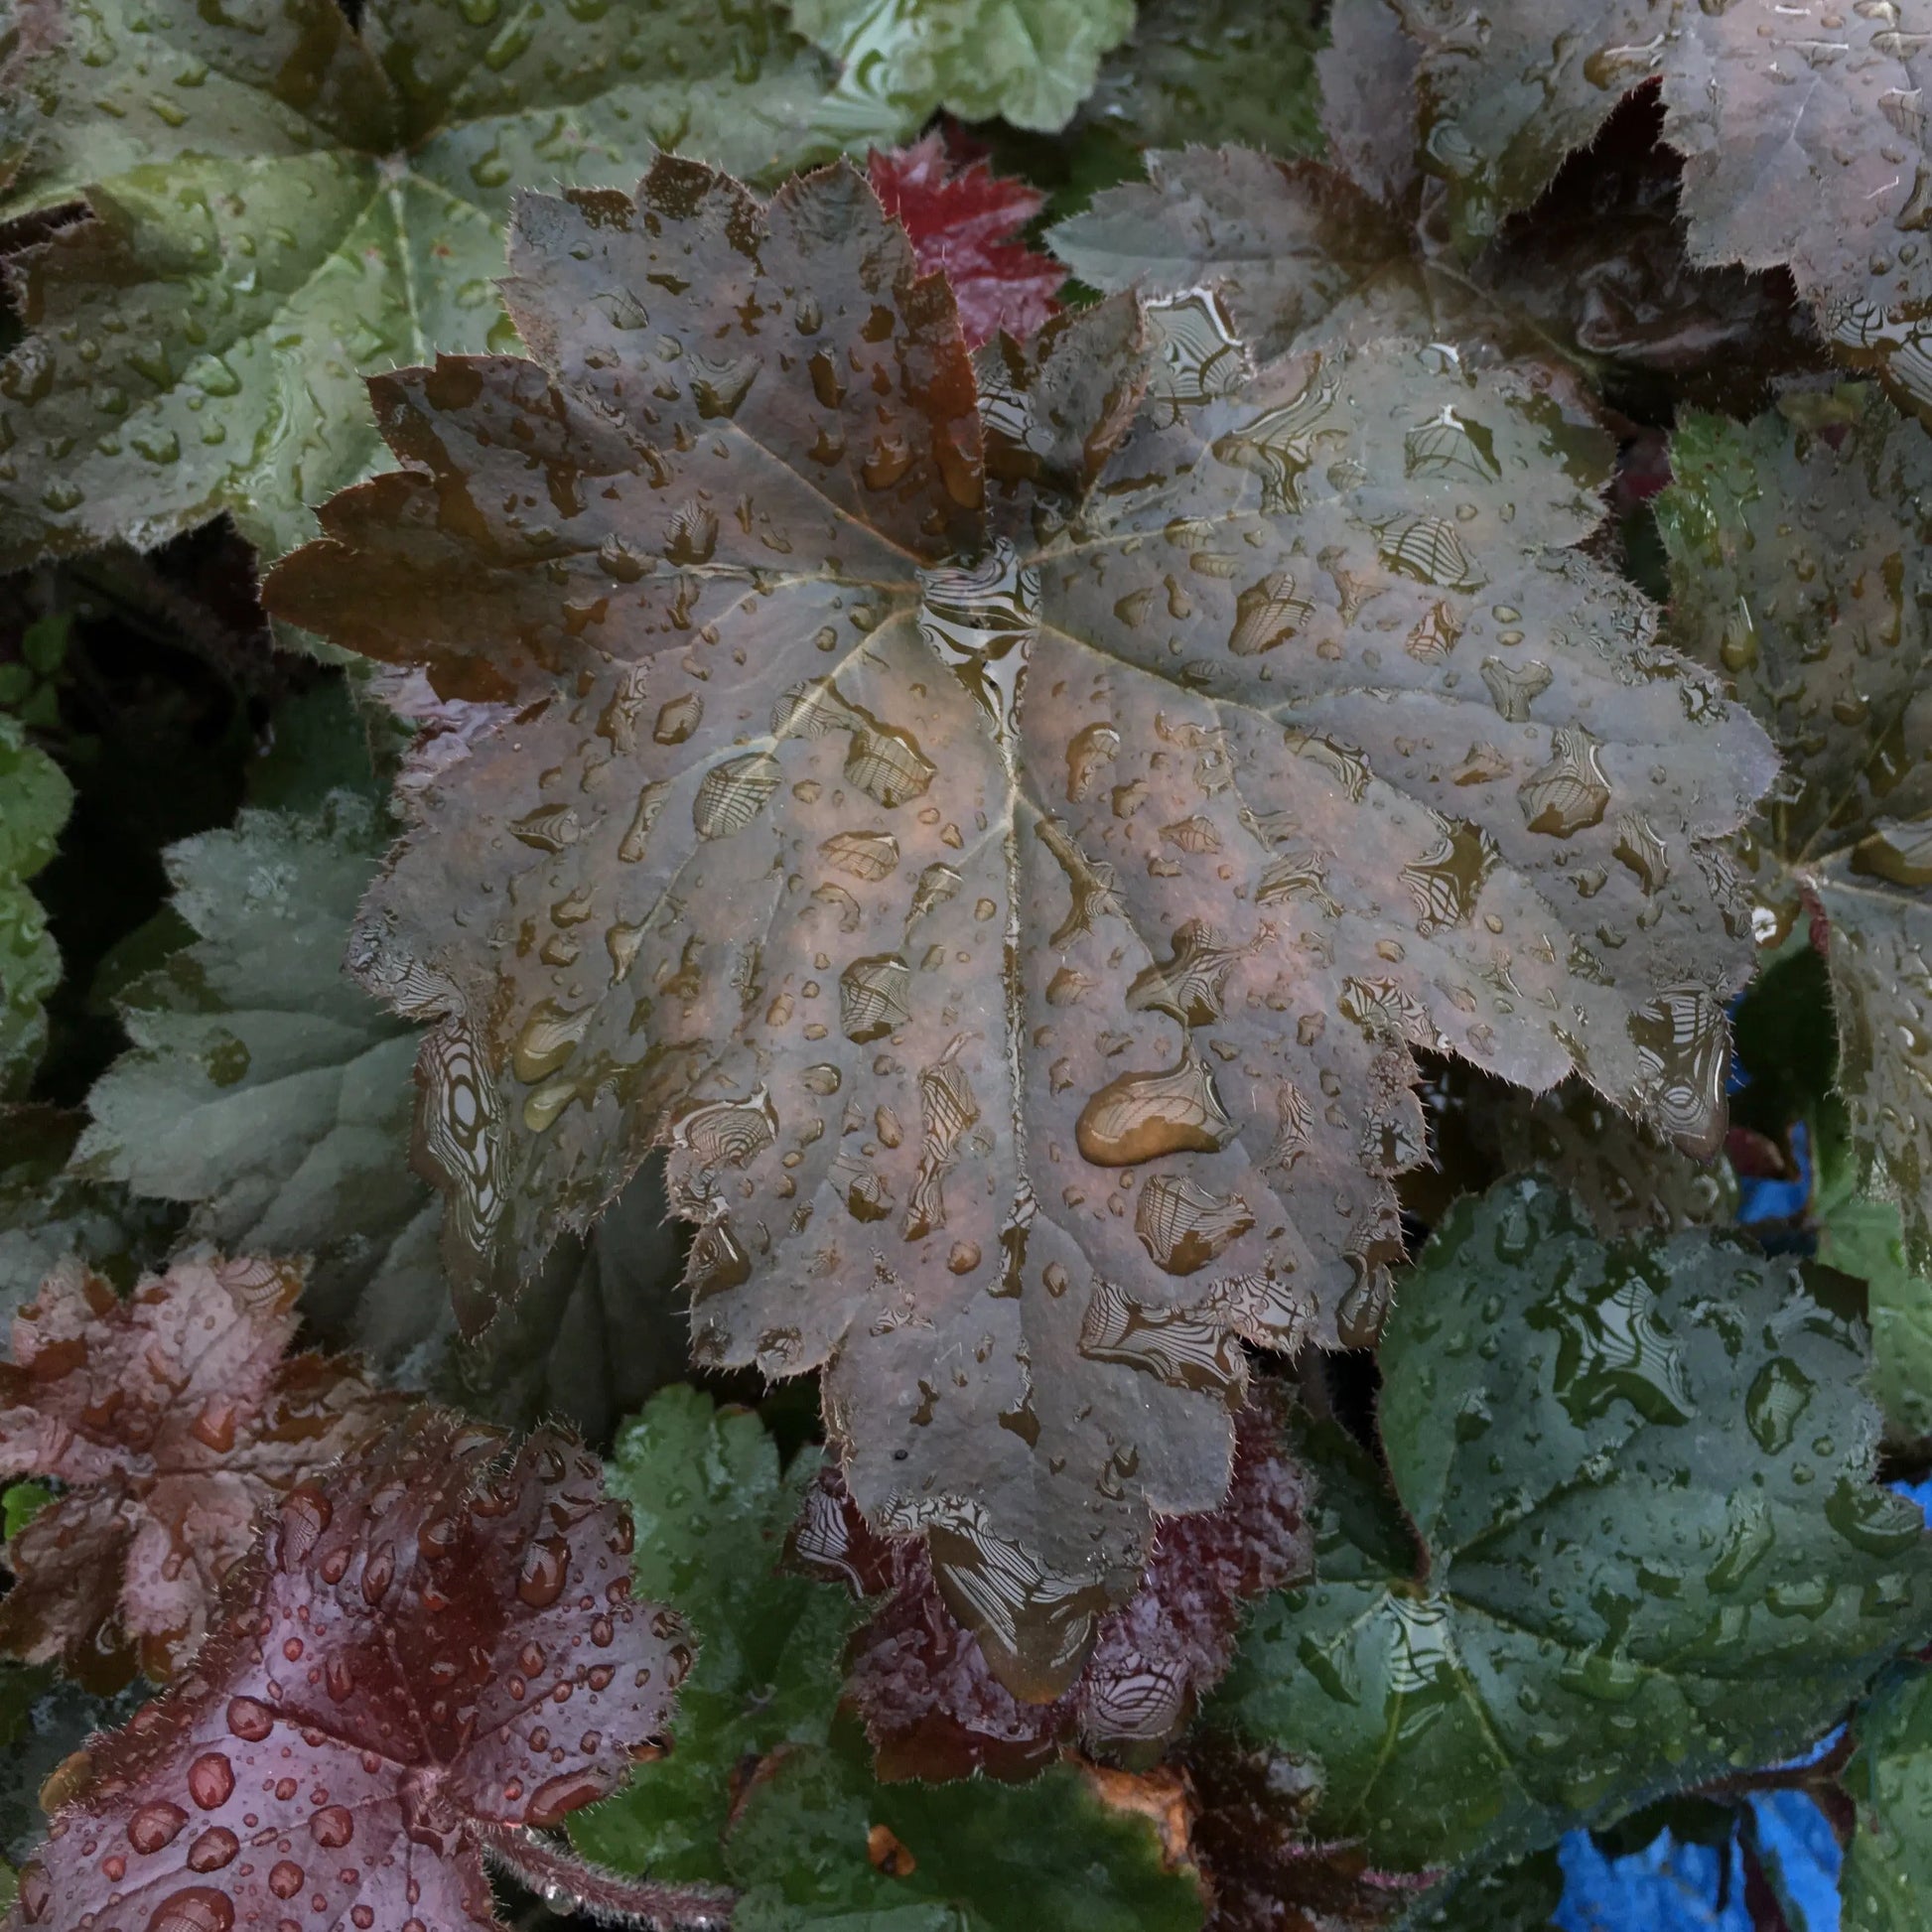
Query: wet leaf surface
{"type": "Point", "coordinates": [819, 1842]}
{"type": "Point", "coordinates": [35, 798]}
{"type": "Point", "coordinates": [933, 1710]}
{"type": "Point", "coordinates": [1889, 1777]}
{"type": "Point", "coordinates": [1029, 62]}
{"type": "Point", "coordinates": [964, 220]}
{"type": "Point", "coordinates": [1797, 544]}
{"type": "Point", "coordinates": [431, 1652]}
{"type": "Point", "coordinates": [281, 207]}
{"type": "Point", "coordinates": [1105, 805]}
{"type": "Point", "coordinates": [44, 1719]}
{"type": "Point", "coordinates": [1800, 125]}
{"type": "Point", "coordinates": [169, 1420]}
{"type": "Point", "coordinates": [1642, 1478]}
{"type": "Point", "coordinates": [268, 1089]}
{"type": "Point", "coordinates": [1305, 252]}
{"type": "Point", "coordinates": [713, 1504]}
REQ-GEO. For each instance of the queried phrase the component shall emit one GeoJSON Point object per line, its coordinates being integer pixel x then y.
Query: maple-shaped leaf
{"type": "Point", "coordinates": [1010, 869]}
{"type": "Point", "coordinates": [1306, 252]}
{"type": "Point", "coordinates": [932, 1708]}
{"type": "Point", "coordinates": [35, 798]}
{"type": "Point", "coordinates": [1213, 70]}
{"type": "Point", "coordinates": [281, 204]}
{"type": "Point", "coordinates": [268, 1089]}
{"type": "Point", "coordinates": [169, 1420]}
{"type": "Point", "coordinates": [1797, 546]}
{"type": "Point", "coordinates": [1799, 125]}
{"type": "Point", "coordinates": [1028, 62]}
{"type": "Point", "coordinates": [1633, 1482]}
{"type": "Point", "coordinates": [425, 1656]}
{"type": "Point", "coordinates": [963, 221]}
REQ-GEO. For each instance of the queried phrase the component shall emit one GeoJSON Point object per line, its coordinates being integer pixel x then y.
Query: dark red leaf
{"type": "Point", "coordinates": [934, 1710]}
{"type": "Point", "coordinates": [171, 1420]}
{"type": "Point", "coordinates": [424, 1655]}
{"type": "Point", "coordinates": [963, 219]}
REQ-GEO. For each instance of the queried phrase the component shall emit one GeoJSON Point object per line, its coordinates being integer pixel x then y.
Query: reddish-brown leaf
{"type": "Point", "coordinates": [963, 221]}
{"type": "Point", "coordinates": [1006, 834]}
{"type": "Point", "coordinates": [932, 1706]}
{"type": "Point", "coordinates": [423, 1656]}
{"type": "Point", "coordinates": [170, 1420]}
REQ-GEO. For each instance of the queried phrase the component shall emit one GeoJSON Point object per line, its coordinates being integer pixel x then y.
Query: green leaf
{"type": "Point", "coordinates": [1029, 62]}
{"type": "Point", "coordinates": [282, 207]}
{"type": "Point", "coordinates": [1641, 1476]}
{"type": "Point", "coordinates": [1887, 1874]}
{"type": "Point", "coordinates": [20, 1503]}
{"type": "Point", "coordinates": [1212, 71]}
{"type": "Point", "coordinates": [1798, 548]}
{"type": "Point", "coordinates": [35, 799]}
{"type": "Point", "coordinates": [267, 1089]}
{"type": "Point", "coordinates": [47, 1212]}
{"type": "Point", "coordinates": [1519, 1897]}
{"type": "Point", "coordinates": [712, 1508]}
{"type": "Point", "coordinates": [807, 1850]}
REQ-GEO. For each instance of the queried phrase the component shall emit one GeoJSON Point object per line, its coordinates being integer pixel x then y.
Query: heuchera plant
{"type": "Point", "coordinates": [1131, 799]}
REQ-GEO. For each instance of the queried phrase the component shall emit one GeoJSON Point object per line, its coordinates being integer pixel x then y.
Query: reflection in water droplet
{"type": "Point", "coordinates": [1184, 1226]}
{"type": "Point", "coordinates": [1143, 1116]}
{"type": "Point", "coordinates": [1779, 1397]}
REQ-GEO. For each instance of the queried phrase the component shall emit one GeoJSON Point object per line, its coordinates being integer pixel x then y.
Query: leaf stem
{"type": "Point", "coordinates": [555, 1874]}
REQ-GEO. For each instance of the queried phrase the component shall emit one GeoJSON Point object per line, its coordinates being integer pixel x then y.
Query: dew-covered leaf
{"type": "Point", "coordinates": [1028, 62]}
{"type": "Point", "coordinates": [1797, 545]}
{"type": "Point", "coordinates": [964, 220]}
{"type": "Point", "coordinates": [170, 1418]}
{"type": "Point", "coordinates": [1519, 1897]}
{"type": "Point", "coordinates": [35, 798]}
{"type": "Point", "coordinates": [1214, 71]}
{"type": "Point", "coordinates": [267, 1088]}
{"type": "Point", "coordinates": [933, 1710]}
{"type": "Point", "coordinates": [422, 1657]}
{"type": "Point", "coordinates": [1641, 1474]}
{"type": "Point", "coordinates": [713, 1506]}
{"type": "Point", "coordinates": [1010, 874]}
{"type": "Point", "coordinates": [281, 205]}
{"type": "Point", "coordinates": [1889, 1863]}
{"type": "Point", "coordinates": [1304, 252]}
{"type": "Point", "coordinates": [819, 1842]}
{"type": "Point", "coordinates": [1801, 128]}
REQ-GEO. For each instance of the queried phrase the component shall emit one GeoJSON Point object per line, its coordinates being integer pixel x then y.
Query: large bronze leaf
{"type": "Point", "coordinates": [1010, 870]}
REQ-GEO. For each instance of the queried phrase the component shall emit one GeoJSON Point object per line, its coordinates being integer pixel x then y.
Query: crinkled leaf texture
{"type": "Point", "coordinates": [1010, 868]}
{"type": "Point", "coordinates": [933, 1710]}
{"type": "Point", "coordinates": [170, 1418]}
{"type": "Point", "coordinates": [1799, 121]}
{"type": "Point", "coordinates": [35, 798]}
{"type": "Point", "coordinates": [1798, 548]}
{"type": "Point", "coordinates": [1888, 1865]}
{"type": "Point", "coordinates": [963, 219]}
{"type": "Point", "coordinates": [268, 1089]}
{"type": "Point", "coordinates": [434, 1648]}
{"type": "Point", "coordinates": [1640, 1476]}
{"type": "Point", "coordinates": [281, 204]}
{"type": "Point", "coordinates": [712, 1507]}
{"type": "Point", "coordinates": [1028, 62]}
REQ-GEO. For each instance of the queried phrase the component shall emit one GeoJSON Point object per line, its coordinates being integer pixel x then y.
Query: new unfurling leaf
{"type": "Point", "coordinates": [423, 1659]}
{"type": "Point", "coordinates": [170, 1420]}
{"type": "Point", "coordinates": [1006, 836]}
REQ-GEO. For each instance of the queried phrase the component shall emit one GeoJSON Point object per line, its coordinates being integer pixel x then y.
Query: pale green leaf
{"type": "Point", "coordinates": [1887, 1875]}
{"type": "Point", "coordinates": [1032, 61]}
{"type": "Point", "coordinates": [35, 799]}
{"type": "Point", "coordinates": [282, 207]}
